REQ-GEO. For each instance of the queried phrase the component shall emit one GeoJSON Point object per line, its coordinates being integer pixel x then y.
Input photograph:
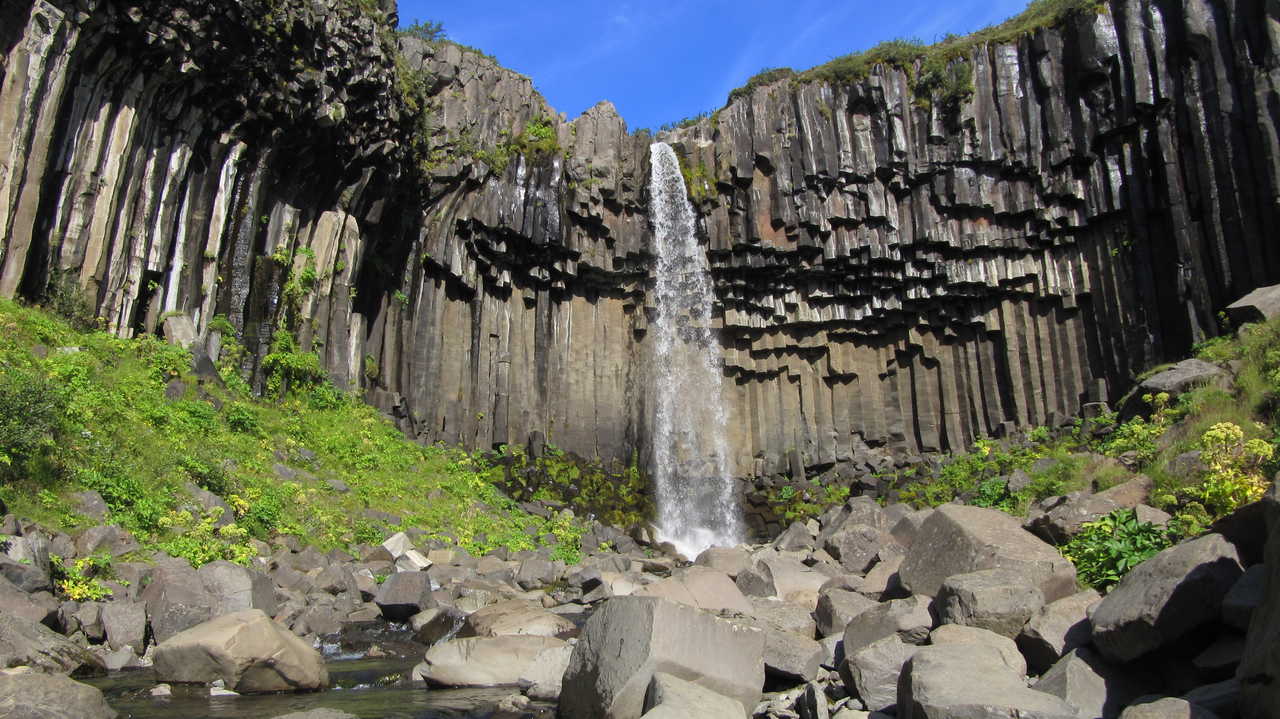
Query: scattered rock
{"type": "Point", "coordinates": [970, 680]}
{"type": "Point", "coordinates": [1166, 708]}
{"type": "Point", "coordinates": [959, 634]}
{"type": "Point", "coordinates": [871, 672]}
{"type": "Point", "coordinates": [516, 617]}
{"type": "Point", "coordinates": [700, 587]}
{"type": "Point", "coordinates": [404, 594]}
{"type": "Point", "coordinates": [836, 607]}
{"type": "Point", "coordinates": [26, 643]}
{"type": "Point", "coordinates": [1087, 682]}
{"type": "Point", "coordinates": [909, 619]}
{"type": "Point", "coordinates": [1056, 629]}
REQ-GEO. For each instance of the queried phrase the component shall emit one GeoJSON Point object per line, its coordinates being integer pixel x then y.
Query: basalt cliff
{"type": "Point", "coordinates": [893, 277]}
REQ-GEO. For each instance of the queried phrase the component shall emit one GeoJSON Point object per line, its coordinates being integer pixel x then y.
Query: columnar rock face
{"type": "Point", "coordinates": [889, 274]}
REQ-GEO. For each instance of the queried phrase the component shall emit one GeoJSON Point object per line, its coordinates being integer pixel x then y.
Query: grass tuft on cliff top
{"type": "Point", "coordinates": [86, 410]}
{"type": "Point", "coordinates": [903, 53]}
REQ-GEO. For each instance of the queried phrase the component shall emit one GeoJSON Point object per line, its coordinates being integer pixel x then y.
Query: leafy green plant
{"type": "Point", "coordinates": [81, 579]}
{"type": "Point", "coordinates": [805, 500]}
{"type": "Point", "coordinates": [1139, 434]}
{"type": "Point", "coordinates": [199, 540]}
{"type": "Point", "coordinates": [615, 494]}
{"type": "Point", "coordinates": [289, 369]}
{"type": "Point", "coordinates": [1105, 550]}
{"type": "Point", "coordinates": [31, 416]}
{"type": "Point", "coordinates": [425, 30]}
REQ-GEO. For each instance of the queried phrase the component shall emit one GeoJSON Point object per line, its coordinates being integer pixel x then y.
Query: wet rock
{"type": "Point", "coordinates": [437, 624]}
{"type": "Point", "coordinates": [248, 651]}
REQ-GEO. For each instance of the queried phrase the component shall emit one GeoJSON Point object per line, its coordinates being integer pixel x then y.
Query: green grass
{"type": "Point", "coordinates": [118, 434]}
{"type": "Point", "coordinates": [943, 73]}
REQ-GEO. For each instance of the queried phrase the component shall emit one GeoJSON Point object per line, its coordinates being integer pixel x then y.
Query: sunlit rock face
{"type": "Point", "coordinates": [888, 277]}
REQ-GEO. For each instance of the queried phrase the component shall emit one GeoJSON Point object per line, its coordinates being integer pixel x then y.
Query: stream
{"type": "Point", "coordinates": [367, 688]}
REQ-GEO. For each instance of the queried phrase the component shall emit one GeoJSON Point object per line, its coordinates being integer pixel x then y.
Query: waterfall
{"type": "Point", "coordinates": [689, 461]}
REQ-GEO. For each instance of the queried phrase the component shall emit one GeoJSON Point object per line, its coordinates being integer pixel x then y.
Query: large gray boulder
{"type": "Point", "coordinates": [730, 560]}
{"type": "Point", "coordinates": [791, 657]}
{"type": "Point", "coordinates": [247, 650]}
{"type": "Point", "coordinates": [1056, 629]}
{"type": "Point", "coordinates": [970, 681]}
{"type": "Point", "coordinates": [871, 673]}
{"type": "Point", "coordinates": [670, 697]}
{"type": "Point", "coordinates": [628, 639]}
{"type": "Point", "coordinates": [234, 588]}
{"type": "Point", "coordinates": [176, 600]}
{"type": "Point", "coordinates": [700, 587]}
{"type": "Point", "coordinates": [39, 607]}
{"type": "Point", "coordinates": [1058, 519]}
{"type": "Point", "coordinates": [1181, 377]}
{"type": "Point", "coordinates": [32, 695]}
{"type": "Point", "coordinates": [1167, 708]}
{"type": "Point", "coordinates": [837, 607]}
{"type": "Point", "coordinates": [1000, 600]}
{"type": "Point", "coordinates": [956, 539]}
{"type": "Point", "coordinates": [1165, 597]}
{"type": "Point", "coordinates": [125, 625]}
{"type": "Point", "coordinates": [909, 619]}
{"type": "Point", "coordinates": [516, 617]}
{"type": "Point", "coordinates": [1087, 682]}
{"type": "Point", "coordinates": [1259, 670]}
{"type": "Point", "coordinates": [496, 661]}
{"type": "Point", "coordinates": [855, 546]}
{"type": "Point", "coordinates": [26, 643]}
{"type": "Point", "coordinates": [959, 634]}
{"type": "Point", "coordinates": [404, 594]}
{"type": "Point", "coordinates": [1259, 305]}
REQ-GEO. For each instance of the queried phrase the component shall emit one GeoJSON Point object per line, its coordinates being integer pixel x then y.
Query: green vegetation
{"type": "Point", "coordinates": [81, 580]}
{"type": "Point", "coordinates": [615, 495]}
{"type": "Point", "coordinates": [806, 500]}
{"type": "Point", "coordinates": [95, 416]}
{"type": "Point", "coordinates": [699, 181]}
{"type": "Point", "coordinates": [424, 30]}
{"type": "Point", "coordinates": [940, 74]}
{"type": "Point", "coordinates": [1105, 550]}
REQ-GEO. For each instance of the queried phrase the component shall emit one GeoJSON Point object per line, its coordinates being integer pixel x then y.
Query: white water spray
{"type": "Point", "coordinates": [692, 483]}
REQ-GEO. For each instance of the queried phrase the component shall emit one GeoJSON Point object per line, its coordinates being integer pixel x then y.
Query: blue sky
{"type": "Point", "coordinates": [661, 61]}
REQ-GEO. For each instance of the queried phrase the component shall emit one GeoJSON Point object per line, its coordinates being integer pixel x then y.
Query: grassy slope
{"type": "Point", "coordinates": [98, 418]}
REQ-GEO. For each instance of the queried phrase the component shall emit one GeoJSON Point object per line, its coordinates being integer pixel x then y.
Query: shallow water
{"type": "Point", "coordinates": [367, 688]}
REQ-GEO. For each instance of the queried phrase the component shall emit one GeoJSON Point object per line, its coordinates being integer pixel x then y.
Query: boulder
{"type": "Point", "coordinates": [234, 588]}
{"type": "Point", "coordinates": [956, 539]}
{"type": "Point", "coordinates": [31, 695]}
{"type": "Point", "coordinates": [1245, 596]}
{"type": "Point", "coordinates": [437, 624]}
{"type": "Point", "coordinates": [791, 657]}
{"type": "Point", "coordinates": [1165, 597]}
{"type": "Point", "coordinates": [247, 650]}
{"type": "Point", "coordinates": [495, 661]}
{"type": "Point", "coordinates": [795, 538]}
{"type": "Point", "coordinates": [970, 681]}
{"type": "Point", "coordinates": [89, 504]}
{"type": "Point", "coordinates": [1058, 519]}
{"type": "Point", "coordinates": [783, 616]}
{"type": "Point", "coordinates": [670, 697]}
{"type": "Point", "coordinates": [1181, 377]}
{"type": "Point", "coordinates": [125, 624]}
{"type": "Point", "coordinates": [730, 560]}
{"type": "Point", "coordinates": [516, 617]}
{"type": "Point", "coordinates": [909, 619]}
{"type": "Point", "coordinates": [871, 673]}
{"type": "Point", "coordinates": [1057, 628]}
{"type": "Point", "coordinates": [959, 634]}
{"type": "Point", "coordinates": [855, 546]}
{"type": "Point", "coordinates": [1090, 684]}
{"type": "Point", "coordinates": [1000, 600]}
{"type": "Point", "coordinates": [404, 594]}
{"type": "Point", "coordinates": [534, 573]}
{"type": "Point", "coordinates": [1166, 708]}
{"type": "Point", "coordinates": [700, 587]}
{"type": "Point", "coordinates": [26, 643]}
{"type": "Point", "coordinates": [1259, 305]}
{"type": "Point", "coordinates": [322, 713]}
{"type": "Point", "coordinates": [40, 607]}
{"type": "Point", "coordinates": [397, 544]}
{"type": "Point", "coordinates": [628, 639]}
{"type": "Point", "coordinates": [836, 607]}
{"type": "Point", "coordinates": [792, 580]}
{"type": "Point", "coordinates": [176, 600]}
{"type": "Point", "coordinates": [883, 581]}
{"type": "Point", "coordinates": [109, 539]}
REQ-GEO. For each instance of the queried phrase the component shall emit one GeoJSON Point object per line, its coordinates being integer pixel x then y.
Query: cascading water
{"type": "Point", "coordinates": [692, 483]}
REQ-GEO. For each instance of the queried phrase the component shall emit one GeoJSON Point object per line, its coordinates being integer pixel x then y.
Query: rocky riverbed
{"type": "Point", "coordinates": [870, 610]}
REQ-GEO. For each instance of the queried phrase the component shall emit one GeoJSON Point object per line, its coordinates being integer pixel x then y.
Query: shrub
{"type": "Point", "coordinates": [31, 416]}
{"type": "Point", "coordinates": [288, 369]}
{"type": "Point", "coordinates": [80, 580]}
{"type": "Point", "coordinates": [1139, 434]}
{"type": "Point", "coordinates": [241, 417]}
{"type": "Point", "coordinates": [200, 541]}
{"type": "Point", "coordinates": [1105, 550]}
{"type": "Point", "coordinates": [1232, 478]}
{"type": "Point", "coordinates": [425, 30]}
